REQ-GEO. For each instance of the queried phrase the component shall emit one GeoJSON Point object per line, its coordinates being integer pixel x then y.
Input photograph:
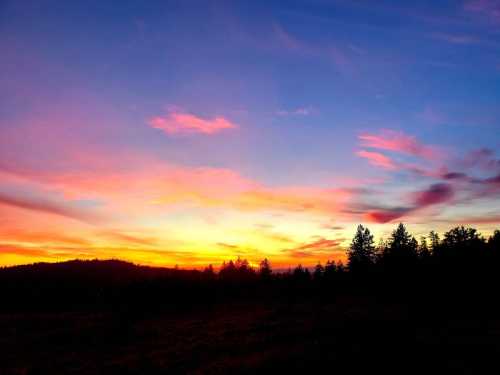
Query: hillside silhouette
{"type": "Point", "coordinates": [404, 305]}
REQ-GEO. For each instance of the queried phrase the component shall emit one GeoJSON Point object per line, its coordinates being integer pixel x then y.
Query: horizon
{"type": "Point", "coordinates": [181, 133]}
{"type": "Point", "coordinates": [339, 259]}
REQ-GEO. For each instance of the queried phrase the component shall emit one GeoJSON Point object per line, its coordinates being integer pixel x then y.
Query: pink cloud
{"type": "Point", "coordinates": [377, 159]}
{"type": "Point", "coordinates": [483, 158]}
{"type": "Point", "coordinates": [125, 185]}
{"type": "Point", "coordinates": [385, 215]}
{"type": "Point", "coordinates": [435, 194]}
{"type": "Point", "coordinates": [185, 123]}
{"type": "Point", "coordinates": [399, 142]}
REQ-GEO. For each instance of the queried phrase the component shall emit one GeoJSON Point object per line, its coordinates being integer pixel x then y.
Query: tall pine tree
{"type": "Point", "coordinates": [361, 253]}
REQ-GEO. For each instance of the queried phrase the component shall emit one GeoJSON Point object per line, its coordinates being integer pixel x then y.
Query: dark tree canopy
{"type": "Point", "coordinates": [402, 247]}
{"type": "Point", "coordinates": [361, 253]}
{"type": "Point", "coordinates": [265, 269]}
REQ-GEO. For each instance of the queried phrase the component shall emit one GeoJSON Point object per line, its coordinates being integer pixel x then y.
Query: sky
{"type": "Point", "coordinates": [193, 132]}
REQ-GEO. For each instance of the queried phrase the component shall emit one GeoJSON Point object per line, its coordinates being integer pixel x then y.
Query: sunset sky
{"type": "Point", "coordinates": [192, 132]}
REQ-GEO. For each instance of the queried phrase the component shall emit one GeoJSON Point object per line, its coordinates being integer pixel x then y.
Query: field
{"type": "Point", "coordinates": [282, 336]}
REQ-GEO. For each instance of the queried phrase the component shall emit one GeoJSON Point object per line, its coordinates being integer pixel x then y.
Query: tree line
{"type": "Point", "coordinates": [460, 265]}
{"type": "Point", "coordinates": [401, 253]}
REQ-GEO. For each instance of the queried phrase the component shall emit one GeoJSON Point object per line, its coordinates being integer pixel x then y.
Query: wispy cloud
{"type": "Point", "coordinates": [483, 219]}
{"type": "Point", "coordinates": [400, 142]}
{"type": "Point", "coordinates": [42, 237]}
{"type": "Point", "coordinates": [186, 123]}
{"type": "Point", "coordinates": [163, 184]}
{"type": "Point", "coordinates": [483, 158]}
{"type": "Point", "coordinates": [487, 8]}
{"type": "Point", "coordinates": [386, 215]}
{"type": "Point", "coordinates": [377, 159]}
{"type": "Point", "coordinates": [320, 248]}
{"type": "Point", "coordinates": [227, 245]}
{"type": "Point", "coordinates": [127, 238]}
{"type": "Point", "coordinates": [435, 194]}
{"type": "Point", "coordinates": [342, 58]}
{"type": "Point", "coordinates": [46, 206]}
{"type": "Point", "coordinates": [463, 39]}
{"type": "Point", "coordinates": [299, 111]}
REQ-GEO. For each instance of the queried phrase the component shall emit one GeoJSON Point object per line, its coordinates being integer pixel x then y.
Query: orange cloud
{"type": "Point", "coordinates": [322, 247]}
{"type": "Point", "coordinates": [294, 199]}
{"type": "Point", "coordinates": [47, 237]}
{"type": "Point", "coordinates": [185, 123]}
{"type": "Point", "coordinates": [119, 237]}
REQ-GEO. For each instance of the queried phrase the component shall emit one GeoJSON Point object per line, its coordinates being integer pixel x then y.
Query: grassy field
{"type": "Point", "coordinates": [344, 334]}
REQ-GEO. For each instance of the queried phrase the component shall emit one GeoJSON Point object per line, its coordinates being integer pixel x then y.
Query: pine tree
{"type": "Point", "coordinates": [423, 249]}
{"type": "Point", "coordinates": [330, 270]}
{"type": "Point", "coordinates": [435, 242]}
{"type": "Point", "coordinates": [208, 272]}
{"type": "Point", "coordinates": [494, 240]}
{"type": "Point", "coordinates": [318, 272]}
{"type": "Point", "coordinates": [402, 248]}
{"type": "Point", "coordinates": [361, 253]}
{"type": "Point", "coordinates": [265, 270]}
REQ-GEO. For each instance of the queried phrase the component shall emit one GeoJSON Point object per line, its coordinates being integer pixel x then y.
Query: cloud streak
{"type": "Point", "coordinates": [321, 247]}
{"type": "Point", "coordinates": [46, 206]}
{"type": "Point", "coordinates": [486, 8]}
{"type": "Point", "coordinates": [186, 123]}
{"type": "Point", "coordinates": [463, 39]}
{"type": "Point", "coordinates": [390, 140]}
{"type": "Point", "coordinates": [378, 160]}
{"type": "Point", "coordinates": [435, 194]}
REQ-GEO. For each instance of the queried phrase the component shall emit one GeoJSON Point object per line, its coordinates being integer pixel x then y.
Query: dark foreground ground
{"type": "Point", "coordinates": [344, 334]}
{"type": "Point", "coordinates": [111, 317]}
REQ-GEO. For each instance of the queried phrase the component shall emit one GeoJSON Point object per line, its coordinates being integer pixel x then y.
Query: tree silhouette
{"type": "Point", "coordinates": [340, 267]}
{"type": "Point", "coordinates": [239, 270]}
{"type": "Point", "coordinates": [423, 249]}
{"type": "Point", "coordinates": [459, 244]}
{"type": "Point", "coordinates": [208, 272]}
{"type": "Point", "coordinates": [461, 237]}
{"type": "Point", "coordinates": [300, 273]}
{"type": "Point", "coordinates": [435, 241]}
{"type": "Point", "coordinates": [401, 251]}
{"type": "Point", "coordinates": [319, 270]}
{"type": "Point", "coordinates": [361, 253]}
{"type": "Point", "coordinates": [265, 269]}
{"type": "Point", "coordinates": [494, 240]}
{"type": "Point", "coordinates": [330, 270]}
